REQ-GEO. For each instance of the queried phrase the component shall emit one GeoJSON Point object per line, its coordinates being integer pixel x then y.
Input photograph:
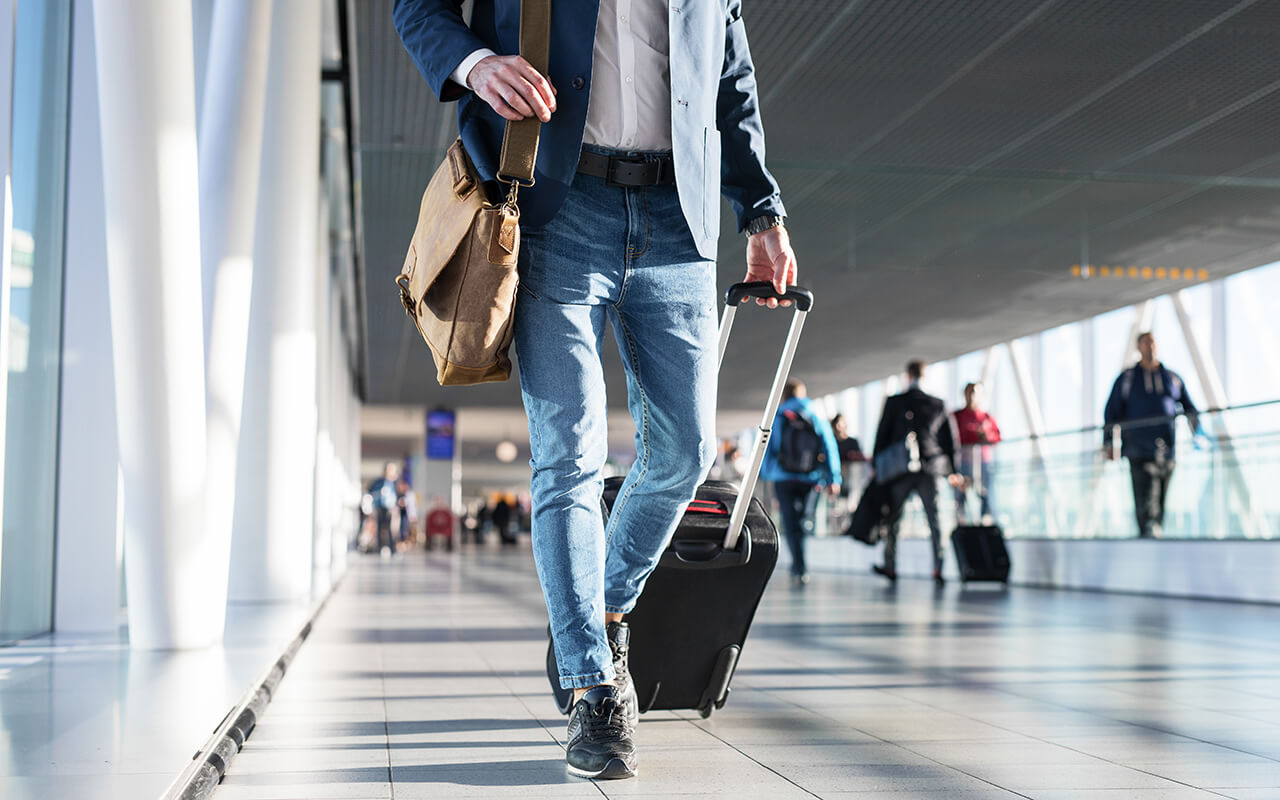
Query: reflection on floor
{"type": "Point", "coordinates": [423, 678]}
{"type": "Point", "coordinates": [85, 717]}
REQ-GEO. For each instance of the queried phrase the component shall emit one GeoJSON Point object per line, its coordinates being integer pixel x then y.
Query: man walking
{"type": "Point", "coordinates": [802, 459]}
{"type": "Point", "coordinates": [1151, 394]}
{"type": "Point", "coordinates": [918, 424]}
{"type": "Point", "coordinates": [645, 125]}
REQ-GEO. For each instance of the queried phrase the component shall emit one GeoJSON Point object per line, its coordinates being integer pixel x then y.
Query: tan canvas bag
{"type": "Point", "coordinates": [459, 279]}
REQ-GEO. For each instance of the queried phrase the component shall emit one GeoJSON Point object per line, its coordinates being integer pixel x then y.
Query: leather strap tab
{"type": "Point", "coordinates": [520, 141]}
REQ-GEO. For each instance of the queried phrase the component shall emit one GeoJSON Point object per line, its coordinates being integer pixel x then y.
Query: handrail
{"type": "Point", "coordinates": [1135, 423]}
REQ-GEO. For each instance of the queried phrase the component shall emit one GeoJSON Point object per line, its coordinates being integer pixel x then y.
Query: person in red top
{"type": "Point", "coordinates": [978, 431]}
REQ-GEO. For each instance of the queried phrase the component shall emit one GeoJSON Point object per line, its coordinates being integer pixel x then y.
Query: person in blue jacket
{"type": "Point", "coordinates": [1144, 404]}
{"type": "Point", "coordinates": [802, 438]}
{"type": "Point", "coordinates": [649, 115]}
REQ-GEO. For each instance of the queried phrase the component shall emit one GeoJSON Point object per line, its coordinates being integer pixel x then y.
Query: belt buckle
{"type": "Point", "coordinates": [612, 170]}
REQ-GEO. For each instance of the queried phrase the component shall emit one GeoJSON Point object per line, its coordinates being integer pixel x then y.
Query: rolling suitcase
{"type": "Point", "coordinates": [689, 625]}
{"type": "Point", "coordinates": [980, 553]}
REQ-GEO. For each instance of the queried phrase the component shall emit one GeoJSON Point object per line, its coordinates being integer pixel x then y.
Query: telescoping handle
{"type": "Point", "coordinates": [802, 301]}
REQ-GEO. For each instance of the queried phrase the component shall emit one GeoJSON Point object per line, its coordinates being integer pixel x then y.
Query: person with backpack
{"type": "Point", "coordinates": [914, 447]}
{"type": "Point", "coordinates": [1151, 392]}
{"type": "Point", "coordinates": [802, 458]}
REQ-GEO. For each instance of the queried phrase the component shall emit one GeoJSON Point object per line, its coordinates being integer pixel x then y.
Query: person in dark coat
{"type": "Point", "coordinates": [921, 421]}
{"type": "Point", "coordinates": [1151, 392]}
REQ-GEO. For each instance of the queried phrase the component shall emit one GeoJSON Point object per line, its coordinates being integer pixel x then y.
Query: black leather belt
{"type": "Point", "coordinates": [628, 170]}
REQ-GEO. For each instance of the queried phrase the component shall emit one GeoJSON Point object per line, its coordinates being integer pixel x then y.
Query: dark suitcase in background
{"type": "Point", "coordinates": [980, 553]}
{"type": "Point", "coordinates": [689, 625]}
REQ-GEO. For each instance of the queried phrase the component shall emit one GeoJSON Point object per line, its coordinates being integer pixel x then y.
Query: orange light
{"type": "Point", "coordinates": [1104, 271]}
{"type": "Point", "coordinates": [1075, 270]}
{"type": "Point", "coordinates": [1146, 273]}
{"type": "Point", "coordinates": [1175, 273]}
{"type": "Point", "coordinates": [1203, 275]}
{"type": "Point", "coordinates": [1161, 272]}
{"type": "Point", "coordinates": [1133, 272]}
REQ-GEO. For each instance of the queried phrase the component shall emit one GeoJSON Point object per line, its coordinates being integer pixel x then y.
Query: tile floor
{"type": "Point", "coordinates": [86, 718]}
{"type": "Point", "coordinates": [424, 678]}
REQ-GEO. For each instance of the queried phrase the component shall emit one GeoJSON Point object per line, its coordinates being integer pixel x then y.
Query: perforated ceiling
{"type": "Point", "coordinates": [944, 165]}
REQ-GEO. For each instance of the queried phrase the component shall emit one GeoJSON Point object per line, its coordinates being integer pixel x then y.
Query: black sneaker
{"type": "Point", "coordinates": [891, 574]}
{"type": "Point", "coordinates": [619, 636]}
{"type": "Point", "coordinates": [599, 737]}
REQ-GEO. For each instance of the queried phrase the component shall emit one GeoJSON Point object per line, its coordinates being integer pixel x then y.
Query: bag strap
{"type": "Point", "coordinates": [520, 140]}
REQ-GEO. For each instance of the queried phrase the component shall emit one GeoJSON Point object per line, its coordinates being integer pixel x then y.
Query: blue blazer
{"type": "Point", "coordinates": [717, 137]}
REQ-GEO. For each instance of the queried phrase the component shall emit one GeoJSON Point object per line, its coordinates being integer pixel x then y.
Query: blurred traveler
{"type": "Point", "coordinates": [383, 492]}
{"type": "Point", "coordinates": [802, 459]}
{"type": "Point", "coordinates": [914, 448]}
{"type": "Point", "coordinates": [503, 516]}
{"type": "Point", "coordinates": [407, 513]}
{"type": "Point", "coordinates": [1144, 403]}
{"type": "Point", "coordinates": [978, 431]}
{"type": "Point", "coordinates": [619, 228]}
{"type": "Point", "coordinates": [850, 452]}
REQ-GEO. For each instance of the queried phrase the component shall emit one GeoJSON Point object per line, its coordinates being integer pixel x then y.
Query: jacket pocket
{"type": "Point", "coordinates": [710, 182]}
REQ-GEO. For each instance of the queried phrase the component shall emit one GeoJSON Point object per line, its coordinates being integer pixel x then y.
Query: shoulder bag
{"type": "Point", "coordinates": [459, 279]}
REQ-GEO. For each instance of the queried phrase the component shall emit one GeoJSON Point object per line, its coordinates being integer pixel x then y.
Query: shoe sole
{"type": "Point", "coordinates": [615, 769]}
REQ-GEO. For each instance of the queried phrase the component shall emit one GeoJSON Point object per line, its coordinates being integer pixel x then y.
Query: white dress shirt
{"type": "Point", "coordinates": [630, 102]}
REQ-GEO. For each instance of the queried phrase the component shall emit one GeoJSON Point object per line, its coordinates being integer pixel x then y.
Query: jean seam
{"type": "Point", "coordinates": [621, 502]}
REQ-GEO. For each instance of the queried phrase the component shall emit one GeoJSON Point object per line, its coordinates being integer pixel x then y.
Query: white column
{"type": "Point", "coordinates": [89, 535]}
{"type": "Point", "coordinates": [230, 143]}
{"type": "Point", "coordinates": [271, 548]}
{"type": "Point", "coordinates": [8, 16]}
{"type": "Point", "coordinates": [321, 536]}
{"type": "Point", "coordinates": [150, 173]}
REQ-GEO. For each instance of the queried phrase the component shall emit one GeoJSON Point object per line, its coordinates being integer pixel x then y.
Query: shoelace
{"type": "Point", "coordinates": [607, 717]}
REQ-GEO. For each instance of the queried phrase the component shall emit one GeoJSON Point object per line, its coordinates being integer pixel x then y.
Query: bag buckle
{"type": "Point", "coordinates": [406, 299]}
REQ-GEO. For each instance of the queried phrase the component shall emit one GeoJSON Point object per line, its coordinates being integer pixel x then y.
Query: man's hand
{"type": "Point", "coordinates": [513, 88]}
{"type": "Point", "coordinates": [957, 481]}
{"type": "Point", "coordinates": [770, 258]}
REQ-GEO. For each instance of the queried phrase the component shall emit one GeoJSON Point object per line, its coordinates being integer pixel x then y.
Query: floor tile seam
{"type": "Point", "coordinates": [1102, 716]}
{"type": "Point", "coordinates": [1090, 755]}
{"type": "Point", "coordinates": [386, 715]}
{"type": "Point", "coordinates": [892, 743]}
{"type": "Point", "coordinates": [747, 756]}
{"type": "Point", "coordinates": [942, 675]}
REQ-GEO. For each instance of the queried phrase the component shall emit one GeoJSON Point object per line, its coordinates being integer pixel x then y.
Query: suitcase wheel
{"type": "Point", "coordinates": [705, 710]}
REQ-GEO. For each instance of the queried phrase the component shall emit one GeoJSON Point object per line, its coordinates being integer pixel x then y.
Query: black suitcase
{"type": "Point", "coordinates": [689, 625]}
{"type": "Point", "coordinates": [980, 553]}
{"type": "Point", "coordinates": [869, 523]}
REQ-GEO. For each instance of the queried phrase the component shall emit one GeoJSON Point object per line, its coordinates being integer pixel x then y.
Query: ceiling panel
{"type": "Point", "coordinates": [944, 164]}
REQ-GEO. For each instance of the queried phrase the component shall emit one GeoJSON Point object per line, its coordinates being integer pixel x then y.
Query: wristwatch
{"type": "Point", "coordinates": [760, 224]}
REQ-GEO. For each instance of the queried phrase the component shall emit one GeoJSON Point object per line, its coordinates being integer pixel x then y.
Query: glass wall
{"type": "Point", "coordinates": [1060, 485]}
{"type": "Point", "coordinates": [40, 104]}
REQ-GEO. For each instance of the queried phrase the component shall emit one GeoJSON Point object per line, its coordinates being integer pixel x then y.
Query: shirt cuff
{"type": "Point", "coordinates": [460, 75]}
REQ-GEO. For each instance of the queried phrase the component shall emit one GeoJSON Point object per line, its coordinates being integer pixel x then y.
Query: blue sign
{"type": "Point", "coordinates": [440, 438]}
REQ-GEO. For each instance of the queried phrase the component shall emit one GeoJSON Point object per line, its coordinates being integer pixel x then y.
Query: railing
{"type": "Point", "coordinates": [1225, 483]}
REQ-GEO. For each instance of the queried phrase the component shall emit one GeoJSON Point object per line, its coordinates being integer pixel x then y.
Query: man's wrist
{"type": "Point", "coordinates": [763, 223]}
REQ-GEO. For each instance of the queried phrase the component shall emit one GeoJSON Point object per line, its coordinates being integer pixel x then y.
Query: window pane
{"type": "Point", "coordinates": [40, 99]}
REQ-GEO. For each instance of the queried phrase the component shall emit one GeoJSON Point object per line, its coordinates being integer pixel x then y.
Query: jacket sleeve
{"type": "Point", "coordinates": [437, 40]}
{"type": "Point", "coordinates": [993, 436]}
{"type": "Point", "coordinates": [947, 438]}
{"type": "Point", "coordinates": [1113, 413]}
{"type": "Point", "coordinates": [883, 430]}
{"type": "Point", "coordinates": [1188, 407]}
{"type": "Point", "coordinates": [833, 453]}
{"type": "Point", "coordinates": [744, 180]}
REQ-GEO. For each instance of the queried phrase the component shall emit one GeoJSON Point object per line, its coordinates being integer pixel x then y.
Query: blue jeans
{"type": "Point", "coordinates": [624, 255]}
{"type": "Point", "coordinates": [796, 501]}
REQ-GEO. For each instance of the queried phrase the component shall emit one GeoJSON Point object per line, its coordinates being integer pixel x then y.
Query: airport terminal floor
{"type": "Point", "coordinates": [423, 678]}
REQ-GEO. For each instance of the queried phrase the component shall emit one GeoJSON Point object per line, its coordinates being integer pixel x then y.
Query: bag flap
{"type": "Point", "coordinates": [449, 207]}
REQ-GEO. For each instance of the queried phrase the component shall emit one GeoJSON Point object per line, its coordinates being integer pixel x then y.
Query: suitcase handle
{"type": "Point", "coordinates": [803, 298]}
{"type": "Point", "coordinates": [803, 303]}
{"type": "Point", "coordinates": [703, 554]}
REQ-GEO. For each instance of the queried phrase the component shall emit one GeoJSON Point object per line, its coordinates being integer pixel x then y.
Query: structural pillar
{"type": "Point", "coordinates": [150, 175]}
{"type": "Point", "coordinates": [271, 546]}
{"type": "Point", "coordinates": [230, 143]}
